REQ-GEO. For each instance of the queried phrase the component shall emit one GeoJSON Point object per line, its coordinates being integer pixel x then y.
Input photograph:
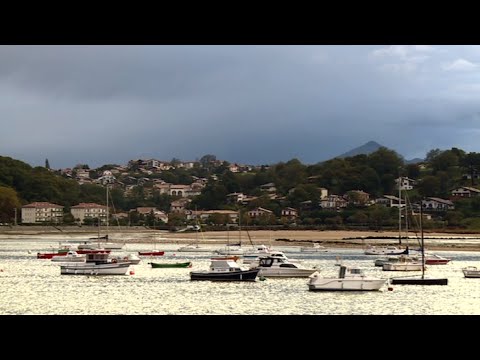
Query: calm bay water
{"type": "Point", "coordinates": [34, 286]}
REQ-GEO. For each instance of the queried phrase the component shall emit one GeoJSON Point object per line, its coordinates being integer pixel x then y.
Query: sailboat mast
{"type": "Point", "coordinates": [406, 216]}
{"type": "Point", "coordinates": [196, 224]}
{"type": "Point", "coordinates": [239, 228]}
{"type": "Point", "coordinates": [421, 237]}
{"type": "Point", "coordinates": [107, 211]}
{"type": "Point", "coordinates": [400, 210]}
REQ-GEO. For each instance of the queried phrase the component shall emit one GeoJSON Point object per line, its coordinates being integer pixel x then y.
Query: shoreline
{"type": "Point", "coordinates": [294, 238]}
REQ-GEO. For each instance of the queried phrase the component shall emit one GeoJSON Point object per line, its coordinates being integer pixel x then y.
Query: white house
{"type": "Point", "coordinates": [270, 187]}
{"type": "Point", "coordinates": [290, 213]}
{"type": "Point", "coordinates": [178, 206]}
{"type": "Point", "coordinates": [405, 183]}
{"type": "Point", "coordinates": [106, 178]}
{"type": "Point", "coordinates": [205, 214]}
{"type": "Point", "coordinates": [437, 204]}
{"type": "Point", "coordinates": [259, 212]}
{"type": "Point", "coordinates": [465, 191]}
{"type": "Point", "coordinates": [83, 174]}
{"type": "Point", "coordinates": [390, 201]}
{"type": "Point", "coordinates": [333, 202]}
{"type": "Point", "coordinates": [235, 197]}
{"type": "Point", "coordinates": [323, 193]}
{"type": "Point", "coordinates": [158, 214]}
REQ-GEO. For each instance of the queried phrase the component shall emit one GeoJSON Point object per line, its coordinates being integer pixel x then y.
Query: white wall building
{"type": "Point", "coordinates": [84, 211]}
{"type": "Point", "coordinates": [42, 212]}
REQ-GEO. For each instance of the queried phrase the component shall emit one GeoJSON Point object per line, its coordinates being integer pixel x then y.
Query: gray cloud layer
{"type": "Point", "coordinates": [249, 104]}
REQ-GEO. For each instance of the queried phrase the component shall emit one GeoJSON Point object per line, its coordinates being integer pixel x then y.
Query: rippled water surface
{"type": "Point", "coordinates": [34, 286]}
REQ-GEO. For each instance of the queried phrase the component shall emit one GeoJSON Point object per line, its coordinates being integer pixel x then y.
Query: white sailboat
{"type": "Point", "coordinates": [99, 244]}
{"type": "Point", "coordinates": [232, 249]}
{"type": "Point", "coordinates": [391, 250]}
{"type": "Point", "coordinates": [420, 280]}
{"type": "Point", "coordinates": [195, 247]}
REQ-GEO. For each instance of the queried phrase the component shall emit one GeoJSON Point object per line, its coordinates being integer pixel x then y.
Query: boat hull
{"type": "Point", "coordinates": [402, 267]}
{"type": "Point", "coordinates": [194, 249]}
{"type": "Point", "coordinates": [312, 250]}
{"type": "Point", "coordinates": [473, 274]}
{"type": "Point", "coordinates": [151, 253]}
{"type": "Point", "coordinates": [418, 281]}
{"type": "Point", "coordinates": [247, 275]}
{"type": "Point", "coordinates": [346, 285]}
{"type": "Point", "coordinates": [384, 252]}
{"type": "Point", "coordinates": [94, 246]}
{"type": "Point", "coordinates": [229, 251]}
{"type": "Point", "coordinates": [171, 265]}
{"type": "Point", "coordinates": [50, 255]}
{"type": "Point", "coordinates": [286, 272]}
{"type": "Point", "coordinates": [437, 261]}
{"type": "Point", "coordinates": [69, 259]}
{"type": "Point", "coordinates": [95, 269]}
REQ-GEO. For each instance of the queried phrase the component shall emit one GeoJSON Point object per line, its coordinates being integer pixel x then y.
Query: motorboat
{"type": "Point", "coordinates": [403, 263]}
{"type": "Point", "coordinates": [71, 256]}
{"type": "Point", "coordinates": [274, 266]}
{"type": "Point", "coordinates": [436, 260]}
{"type": "Point", "coordinates": [254, 255]}
{"type": "Point", "coordinates": [96, 264]}
{"type": "Point", "coordinates": [225, 270]}
{"type": "Point", "coordinates": [392, 259]}
{"type": "Point", "coordinates": [349, 279]}
{"type": "Point", "coordinates": [274, 254]}
{"type": "Point", "coordinates": [471, 272]}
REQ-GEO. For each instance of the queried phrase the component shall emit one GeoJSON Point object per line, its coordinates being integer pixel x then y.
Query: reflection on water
{"type": "Point", "coordinates": [34, 286]}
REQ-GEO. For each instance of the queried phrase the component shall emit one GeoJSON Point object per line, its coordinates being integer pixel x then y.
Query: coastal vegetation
{"type": "Point", "coordinates": [297, 185]}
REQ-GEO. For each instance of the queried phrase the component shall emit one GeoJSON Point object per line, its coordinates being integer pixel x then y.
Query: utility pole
{"type": "Point", "coordinates": [15, 218]}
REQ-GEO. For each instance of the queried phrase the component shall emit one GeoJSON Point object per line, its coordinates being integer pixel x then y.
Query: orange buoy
{"type": "Point", "coordinates": [132, 272]}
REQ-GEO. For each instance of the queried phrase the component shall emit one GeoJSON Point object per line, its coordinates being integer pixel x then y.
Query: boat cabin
{"type": "Point", "coordinates": [349, 272]}
{"type": "Point", "coordinates": [224, 265]}
{"type": "Point", "coordinates": [270, 261]}
{"type": "Point", "coordinates": [97, 258]}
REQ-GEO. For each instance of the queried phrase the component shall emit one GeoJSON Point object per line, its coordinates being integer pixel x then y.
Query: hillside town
{"type": "Point", "coordinates": [184, 197]}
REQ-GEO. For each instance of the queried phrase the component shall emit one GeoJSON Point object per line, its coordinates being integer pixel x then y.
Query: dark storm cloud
{"type": "Point", "coordinates": [253, 104]}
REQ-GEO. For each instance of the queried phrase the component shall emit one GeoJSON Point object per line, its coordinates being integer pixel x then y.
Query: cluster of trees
{"type": "Point", "coordinates": [296, 184]}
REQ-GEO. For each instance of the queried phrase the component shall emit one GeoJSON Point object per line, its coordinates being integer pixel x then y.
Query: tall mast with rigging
{"type": "Point", "coordinates": [400, 210]}
{"type": "Point", "coordinates": [107, 213]}
{"type": "Point", "coordinates": [421, 239]}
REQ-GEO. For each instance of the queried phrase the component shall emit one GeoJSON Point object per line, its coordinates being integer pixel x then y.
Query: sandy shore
{"type": "Point", "coordinates": [355, 239]}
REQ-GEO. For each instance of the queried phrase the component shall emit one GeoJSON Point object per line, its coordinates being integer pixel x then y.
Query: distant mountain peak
{"type": "Point", "coordinates": [366, 149]}
{"type": "Point", "coordinates": [414, 161]}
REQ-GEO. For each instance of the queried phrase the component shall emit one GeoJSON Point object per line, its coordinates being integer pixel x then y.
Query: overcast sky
{"type": "Point", "coordinates": [248, 104]}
